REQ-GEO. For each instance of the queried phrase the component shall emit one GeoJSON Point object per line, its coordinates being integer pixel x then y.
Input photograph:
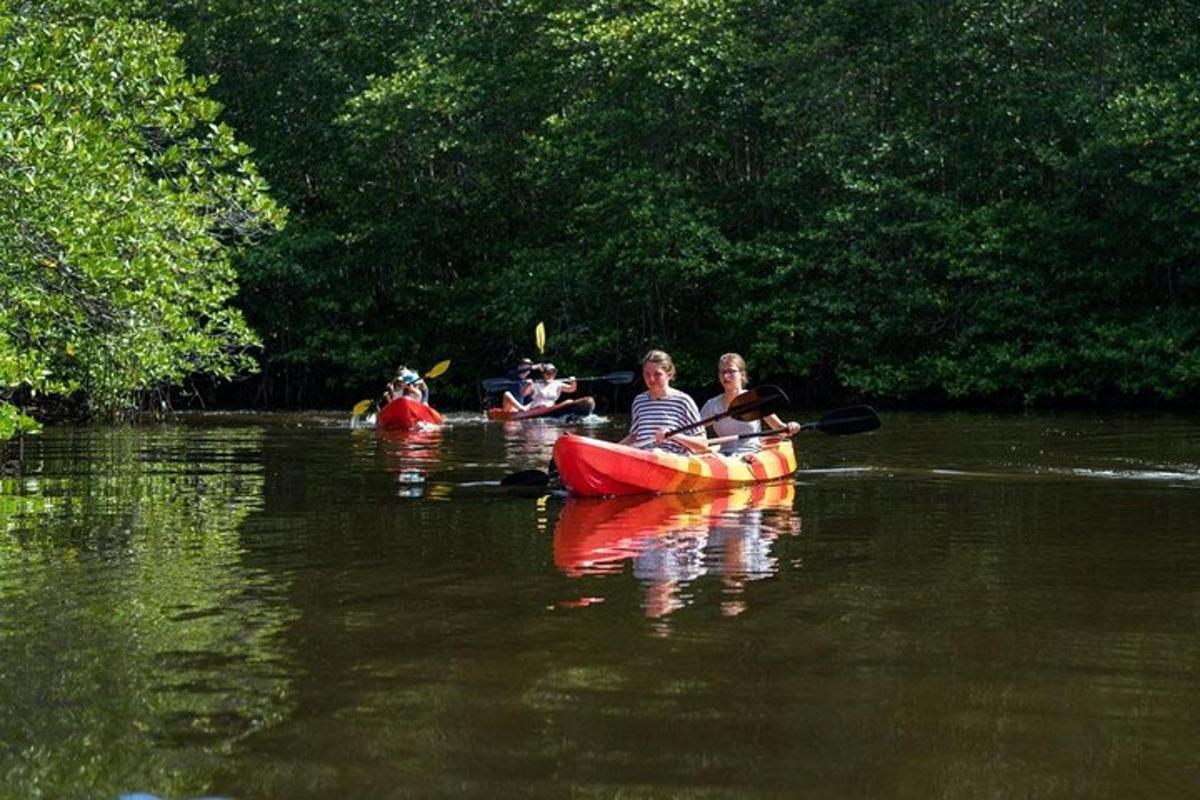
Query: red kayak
{"type": "Point", "coordinates": [566, 409]}
{"type": "Point", "coordinates": [591, 467]}
{"type": "Point", "coordinates": [404, 414]}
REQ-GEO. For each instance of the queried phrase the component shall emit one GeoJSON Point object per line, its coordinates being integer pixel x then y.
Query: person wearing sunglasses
{"type": "Point", "coordinates": [517, 396]}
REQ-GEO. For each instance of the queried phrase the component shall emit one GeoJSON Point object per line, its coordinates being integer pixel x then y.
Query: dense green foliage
{"type": "Point", "coordinates": [121, 199]}
{"type": "Point", "coordinates": [907, 200]}
{"type": "Point", "coordinates": [903, 200]}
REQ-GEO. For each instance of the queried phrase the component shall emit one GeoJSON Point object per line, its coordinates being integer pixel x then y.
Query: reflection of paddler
{"type": "Point", "coordinates": [739, 550]}
{"type": "Point", "coordinates": [593, 534]}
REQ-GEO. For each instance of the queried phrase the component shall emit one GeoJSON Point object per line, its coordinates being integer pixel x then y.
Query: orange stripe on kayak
{"type": "Point", "coordinates": [787, 460]}
{"type": "Point", "coordinates": [698, 471]}
{"type": "Point", "coordinates": [719, 469]}
{"type": "Point", "coordinates": [757, 468]}
{"type": "Point", "coordinates": [783, 464]}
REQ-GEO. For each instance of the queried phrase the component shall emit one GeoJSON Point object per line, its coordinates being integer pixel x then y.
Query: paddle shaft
{"type": "Point", "coordinates": [502, 384]}
{"type": "Point", "coordinates": [612, 377]}
{"type": "Point", "coordinates": [737, 437]}
{"type": "Point", "coordinates": [746, 409]}
{"type": "Point", "coordinates": [841, 422]}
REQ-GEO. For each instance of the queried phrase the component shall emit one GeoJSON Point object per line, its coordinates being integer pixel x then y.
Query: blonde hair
{"type": "Point", "coordinates": [734, 361]}
{"type": "Point", "coordinates": [661, 359]}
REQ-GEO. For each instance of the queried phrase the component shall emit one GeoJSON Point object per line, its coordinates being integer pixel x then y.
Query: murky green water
{"type": "Point", "coordinates": [277, 606]}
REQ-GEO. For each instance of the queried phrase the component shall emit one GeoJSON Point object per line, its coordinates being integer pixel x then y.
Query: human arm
{"type": "Point", "coordinates": [635, 416]}
{"type": "Point", "coordinates": [694, 443]}
{"type": "Point", "coordinates": [775, 423]}
{"type": "Point", "coordinates": [692, 438]}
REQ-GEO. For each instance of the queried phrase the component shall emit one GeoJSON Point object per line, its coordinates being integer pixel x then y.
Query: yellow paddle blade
{"type": "Point", "coordinates": [539, 336]}
{"type": "Point", "coordinates": [361, 407]}
{"type": "Point", "coordinates": [438, 369]}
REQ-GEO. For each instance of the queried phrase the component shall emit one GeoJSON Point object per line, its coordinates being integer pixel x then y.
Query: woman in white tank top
{"type": "Point", "coordinates": [732, 373]}
{"type": "Point", "coordinates": [546, 393]}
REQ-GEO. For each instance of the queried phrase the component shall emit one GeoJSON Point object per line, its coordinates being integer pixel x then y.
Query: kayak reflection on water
{"type": "Point", "coordinates": [670, 541]}
{"type": "Point", "coordinates": [409, 455]}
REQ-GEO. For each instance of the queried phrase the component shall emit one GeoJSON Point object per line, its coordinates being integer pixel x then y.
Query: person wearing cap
{"type": "Point", "coordinates": [408, 384]}
{"type": "Point", "coordinates": [516, 397]}
{"type": "Point", "coordinates": [543, 393]}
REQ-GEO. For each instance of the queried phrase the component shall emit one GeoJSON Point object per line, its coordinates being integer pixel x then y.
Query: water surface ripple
{"type": "Point", "coordinates": [266, 606]}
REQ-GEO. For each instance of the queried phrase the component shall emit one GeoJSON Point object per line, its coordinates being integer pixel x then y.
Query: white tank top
{"type": "Point", "coordinates": [545, 394]}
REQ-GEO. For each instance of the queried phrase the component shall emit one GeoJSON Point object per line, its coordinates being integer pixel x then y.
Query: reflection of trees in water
{"type": "Point", "coordinates": [530, 443]}
{"type": "Point", "coordinates": [143, 644]}
{"type": "Point", "coordinates": [671, 541]}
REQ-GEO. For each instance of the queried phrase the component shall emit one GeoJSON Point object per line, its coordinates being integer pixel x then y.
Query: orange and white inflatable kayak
{"type": "Point", "coordinates": [591, 467]}
{"type": "Point", "coordinates": [575, 409]}
{"type": "Point", "coordinates": [405, 413]}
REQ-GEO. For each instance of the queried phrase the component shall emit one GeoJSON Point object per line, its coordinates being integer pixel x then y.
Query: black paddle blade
{"type": "Point", "coordinates": [526, 477]}
{"type": "Point", "coordinates": [619, 377]}
{"type": "Point", "coordinates": [843, 421]}
{"type": "Point", "coordinates": [759, 402]}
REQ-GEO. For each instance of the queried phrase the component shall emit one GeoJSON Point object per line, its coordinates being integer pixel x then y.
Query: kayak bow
{"type": "Point", "coordinates": [574, 409]}
{"type": "Point", "coordinates": [405, 413]}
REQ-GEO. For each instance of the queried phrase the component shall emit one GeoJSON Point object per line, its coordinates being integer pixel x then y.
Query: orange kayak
{"type": "Point", "coordinates": [574, 409]}
{"type": "Point", "coordinates": [404, 413]}
{"type": "Point", "coordinates": [591, 467]}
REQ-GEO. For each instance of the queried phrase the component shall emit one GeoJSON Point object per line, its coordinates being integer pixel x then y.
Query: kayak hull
{"type": "Point", "coordinates": [404, 414]}
{"type": "Point", "coordinates": [593, 468]}
{"type": "Point", "coordinates": [573, 409]}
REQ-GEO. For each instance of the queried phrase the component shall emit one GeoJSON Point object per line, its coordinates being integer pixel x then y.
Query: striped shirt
{"type": "Point", "coordinates": [651, 415]}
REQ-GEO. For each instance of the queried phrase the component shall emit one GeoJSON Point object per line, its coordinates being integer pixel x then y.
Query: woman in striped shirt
{"type": "Point", "coordinates": [661, 408]}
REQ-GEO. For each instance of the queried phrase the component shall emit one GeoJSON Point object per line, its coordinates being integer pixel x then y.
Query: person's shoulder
{"type": "Point", "coordinates": [713, 405]}
{"type": "Point", "coordinates": [679, 394]}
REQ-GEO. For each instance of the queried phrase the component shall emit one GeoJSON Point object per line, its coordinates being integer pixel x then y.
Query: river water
{"type": "Point", "coordinates": [280, 606]}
